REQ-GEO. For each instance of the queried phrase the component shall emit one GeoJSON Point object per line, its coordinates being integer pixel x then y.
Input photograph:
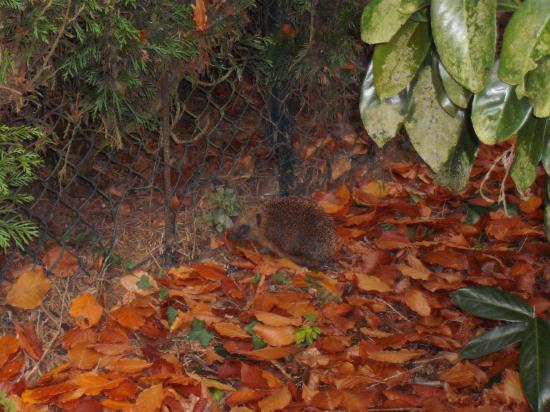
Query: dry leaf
{"type": "Point", "coordinates": [416, 300]}
{"type": "Point", "coordinates": [29, 289]}
{"type": "Point", "coordinates": [9, 345]}
{"type": "Point", "coordinates": [231, 330]}
{"type": "Point", "coordinates": [371, 283]}
{"type": "Point", "coordinates": [275, 335]}
{"type": "Point", "coordinates": [30, 342]}
{"type": "Point", "coordinates": [279, 399]}
{"type": "Point", "coordinates": [60, 262]}
{"type": "Point", "coordinates": [273, 319]}
{"type": "Point", "coordinates": [86, 311]}
{"type": "Point", "coordinates": [150, 400]}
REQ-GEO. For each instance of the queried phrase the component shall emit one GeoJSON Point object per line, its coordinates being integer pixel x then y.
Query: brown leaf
{"type": "Point", "coordinates": [279, 399]}
{"type": "Point", "coordinates": [272, 319]}
{"type": "Point", "coordinates": [9, 345]}
{"type": "Point", "coordinates": [509, 390]}
{"type": "Point", "coordinates": [93, 383]}
{"type": "Point", "coordinates": [60, 262]}
{"type": "Point", "coordinates": [371, 283]}
{"type": "Point", "coordinates": [86, 311]}
{"type": "Point", "coordinates": [150, 400]}
{"type": "Point", "coordinates": [44, 394]}
{"type": "Point", "coordinates": [29, 289]}
{"type": "Point", "coordinates": [127, 365]}
{"type": "Point", "coordinates": [30, 342]}
{"type": "Point", "coordinates": [401, 356]}
{"type": "Point", "coordinates": [244, 395]}
{"type": "Point", "coordinates": [270, 353]}
{"type": "Point", "coordinates": [464, 374]}
{"type": "Point", "coordinates": [231, 330]}
{"type": "Point", "coordinates": [531, 204]}
{"type": "Point", "coordinates": [416, 300]}
{"type": "Point", "coordinates": [275, 335]}
{"type": "Point", "coordinates": [83, 358]}
{"type": "Point", "coordinates": [447, 258]}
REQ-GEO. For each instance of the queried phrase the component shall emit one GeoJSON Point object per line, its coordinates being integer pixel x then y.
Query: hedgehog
{"type": "Point", "coordinates": [292, 227]}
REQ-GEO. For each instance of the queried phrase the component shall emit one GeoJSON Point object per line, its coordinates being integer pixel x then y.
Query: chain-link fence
{"type": "Point", "coordinates": [149, 203]}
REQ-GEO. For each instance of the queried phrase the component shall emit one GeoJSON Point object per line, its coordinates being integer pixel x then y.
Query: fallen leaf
{"type": "Point", "coordinates": [401, 356]}
{"type": "Point", "coordinates": [531, 204]}
{"type": "Point", "coordinates": [86, 311]}
{"type": "Point", "coordinates": [231, 330]}
{"type": "Point", "coordinates": [30, 342]}
{"type": "Point", "coordinates": [275, 335]}
{"type": "Point", "coordinates": [279, 399]}
{"type": "Point", "coordinates": [416, 300]}
{"type": "Point", "coordinates": [127, 365]}
{"type": "Point", "coordinates": [272, 319]}
{"type": "Point", "coordinates": [271, 353]}
{"type": "Point", "coordinates": [29, 289]}
{"type": "Point", "coordinates": [509, 389]}
{"type": "Point", "coordinates": [60, 262]}
{"type": "Point", "coordinates": [150, 400]}
{"type": "Point", "coordinates": [45, 393]}
{"type": "Point", "coordinates": [9, 345]}
{"type": "Point", "coordinates": [371, 283]}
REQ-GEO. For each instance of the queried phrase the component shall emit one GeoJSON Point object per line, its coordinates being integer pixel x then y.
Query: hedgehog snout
{"type": "Point", "coordinates": [238, 232]}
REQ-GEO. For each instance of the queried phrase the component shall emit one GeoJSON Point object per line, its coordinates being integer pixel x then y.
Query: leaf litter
{"type": "Point", "coordinates": [377, 328]}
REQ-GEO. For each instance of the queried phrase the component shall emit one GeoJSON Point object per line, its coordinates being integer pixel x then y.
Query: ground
{"type": "Point", "coordinates": [232, 329]}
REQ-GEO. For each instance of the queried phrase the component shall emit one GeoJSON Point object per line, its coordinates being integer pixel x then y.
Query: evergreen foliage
{"type": "Point", "coordinates": [16, 171]}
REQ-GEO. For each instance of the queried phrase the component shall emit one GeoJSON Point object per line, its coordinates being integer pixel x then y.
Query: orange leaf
{"type": "Point", "coordinates": [126, 390]}
{"type": "Point", "coordinates": [244, 395]}
{"type": "Point", "coordinates": [270, 353]}
{"type": "Point", "coordinates": [530, 205]}
{"type": "Point", "coordinates": [279, 399]}
{"type": "Point", "coordinates": [371, 283]}
{"type": "Point", "coordinates": [86, 311]}
{"type": "Point", "coordinates": [328, 399]}
{"type": "Point", "coordinates": [129, 317]}
{"type": "Point", "coordinates": [93, 383]}
{"type": "Point", "coordinates": [29, 289]}
{"type": "Point", "coordinates": [11, 368]}
{"type": "Point", "coordinates": [77, 337]}
{"type": "Point", "coordinates": [275, 335]}
{"type": "Point", "coordinates": [128, 365]}
{"type": "Point", "coordinates": [44, 394]}
{"type": "Point", "coordinates": [83, 358]}
{"type": "Point", "coordinates": [150, 400]}
{"type": "Point", "coordinates": [199, 15]}
{"type": "Point", "coordinates": [118, 405]}
{"type": "Point", "coordinates": [394, 356]}
{"type": "Point", "coordinates": [416, 300]}
{"type": "Point", "coordinates": [231, 330]}
{"type": "Point", "coordinates": [273, 319]}
{"type": "Point", "coordinates": [60, 262]}
{"type": "Point", "coordinates": [210, 271]}
{"type": "Point", "coordinates": [509, 390]}
{"type": "Point", "coordinates": [111, 349]}
{"type": "Point", "coordinates": [29, 342]}
{"type": "Point", "coordinates": [464, 374]}
{"type": "Point", "coordinates": [447, 259]}
{"type": "Point", "coordinates": [9, 345]}
{"type": "Point", "coordinates": [334, 202]}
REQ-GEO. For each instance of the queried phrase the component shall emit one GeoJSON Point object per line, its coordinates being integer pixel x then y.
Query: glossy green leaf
{"type": "Point", "coordinates": [542, 47]}
{"type": "Point", "coordinates": [494, 340]}
{"type": "Point", "coordinates": [441, 93]}
{"type": "Point", "coordinates": [537, 88]}
{"type": "Point", "coordinates": [382, 119]}
{"type": "Point", "coordinates": [396, 62]}
{"type": "Point", "coordinates": [507, 5]}
{"type": "Point", "coordinates": [520, 45]}
{"type": "Point", "coordinates": [546, 153]}
{"type": "Point", "coordinates": [458, 94]}
{"type": "Point", "coordinates": [456, 171]}
{"type": "Point", "coordinates": [432, 131]}
{"type": "Point", "coordinates": [529, 150]}
{"type": "Point", "coordinates": [547, 207]}
{"type": "Point", "coordinates": [496, 111]}
{"type": "Point", "coordinates": [380, 20]}
{"type": "Point", "coordinates": [492, 303]}
{"type": "Point", "coordinates": [465, 36]}
{"type": "Point", "coordinates": [534, 364]}
{"type": "Point", "coordinates": [411, 6]}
